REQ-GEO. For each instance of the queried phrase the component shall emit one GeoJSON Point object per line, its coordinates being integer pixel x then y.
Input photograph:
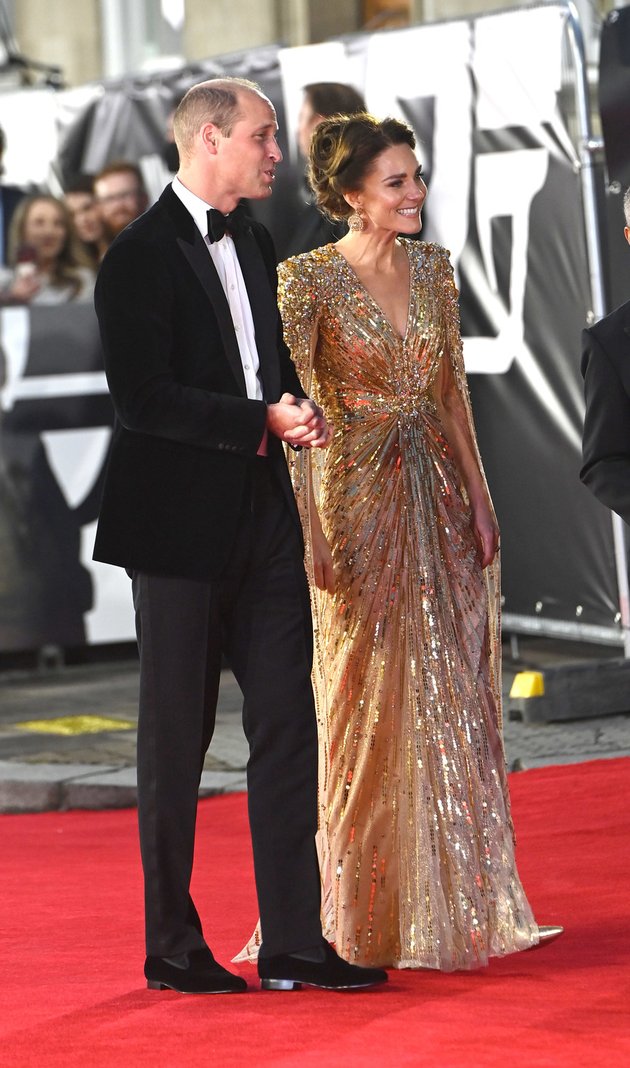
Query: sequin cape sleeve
{"type": "Point", "coordinates": [301, 297]}
{"type": "Point", "coordinates": [492, 573]}
{"type": "Point", "coordinates": [300, 301]}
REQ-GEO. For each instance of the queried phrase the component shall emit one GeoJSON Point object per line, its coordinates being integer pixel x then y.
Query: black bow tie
{"type": "Point", "coordinates": [220, 224]}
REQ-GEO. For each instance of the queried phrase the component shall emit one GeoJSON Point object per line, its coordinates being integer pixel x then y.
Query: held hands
{"type": "Point", "coordinates": [486, 531]}
{"type": "Point", "coordinates": [299, 421]}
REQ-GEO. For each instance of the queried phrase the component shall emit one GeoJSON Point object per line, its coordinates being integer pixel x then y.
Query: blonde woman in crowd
{"type": "Point", "coordinates": [44, 250]}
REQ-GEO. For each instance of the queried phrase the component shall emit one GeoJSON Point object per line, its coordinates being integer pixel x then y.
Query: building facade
{"type": "Point", "coordinates": [95, 40]}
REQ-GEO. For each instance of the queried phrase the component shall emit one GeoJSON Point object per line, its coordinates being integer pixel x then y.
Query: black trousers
{"type": "Point", "coordinates": [257, 614]}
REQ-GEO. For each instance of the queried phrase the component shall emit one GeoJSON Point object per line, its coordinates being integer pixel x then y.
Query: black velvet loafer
{"type": "Point", "coordinates": [287, 972]}
{"type": "Point", "coordinates": [196, 972]}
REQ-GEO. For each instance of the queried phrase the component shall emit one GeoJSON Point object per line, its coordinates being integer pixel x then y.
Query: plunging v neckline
{"type": "Point", "coordinates": [373, 302]}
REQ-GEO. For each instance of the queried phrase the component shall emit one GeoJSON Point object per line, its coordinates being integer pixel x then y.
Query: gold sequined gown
{"type": "Point", "coordinates": [415, 840]}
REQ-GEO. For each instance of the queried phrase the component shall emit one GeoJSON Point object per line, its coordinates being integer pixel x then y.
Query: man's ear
{"type": "Point", "coordinates": [626, 233]}
{"type": "Point", "coordinates": [210, 136]}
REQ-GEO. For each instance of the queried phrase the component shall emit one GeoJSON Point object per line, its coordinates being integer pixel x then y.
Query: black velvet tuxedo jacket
{"type": "Point", "coordinates": [606, 441]}
{"type": "Point", "coordinates": [186, 432]}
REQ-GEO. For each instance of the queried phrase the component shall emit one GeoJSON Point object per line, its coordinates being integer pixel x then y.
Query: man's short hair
{"type": "Point", "coordinates": [122, 166]}
{"type": "Point", "coordinates": [216, 101]}
{"type": "Point", "coordinates": [626, 205]}
{"type": "Point", "coordinates": [334, 98]}
{"type": "Point", "coordinates": [81, 183]}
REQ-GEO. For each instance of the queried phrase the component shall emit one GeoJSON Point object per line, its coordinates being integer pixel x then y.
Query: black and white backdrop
{"type": "Point", "coordinates": [490, 101]}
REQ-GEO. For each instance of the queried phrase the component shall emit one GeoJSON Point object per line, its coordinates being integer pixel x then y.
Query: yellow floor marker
{"type": "Point", "coordinates": [76, 725]}
{"type": "Point", "coordinates": [528, 684]}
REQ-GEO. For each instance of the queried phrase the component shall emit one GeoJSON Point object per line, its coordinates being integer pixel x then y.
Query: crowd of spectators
{"type": "Point", "coordinates": [51, 247]}
{"type": "Point", "coordinates": [45, 253]}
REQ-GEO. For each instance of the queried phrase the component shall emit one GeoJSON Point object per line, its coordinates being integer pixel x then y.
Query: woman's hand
{"type": "Point", "coordinates": [486, 531]}
{"type": "Point", "coordinates": [23, 288]}
{"type": "Point", "coordinates": [323, 570]}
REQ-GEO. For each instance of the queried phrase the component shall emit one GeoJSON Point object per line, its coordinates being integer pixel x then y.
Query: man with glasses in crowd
{"type": "Point", "coordinates": [121, 196]}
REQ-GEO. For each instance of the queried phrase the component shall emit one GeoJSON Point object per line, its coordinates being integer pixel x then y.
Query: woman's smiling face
{"type": "Point", "coordinates": [45, 229]}
{"type": "Point", "coordinates": [393, 192]}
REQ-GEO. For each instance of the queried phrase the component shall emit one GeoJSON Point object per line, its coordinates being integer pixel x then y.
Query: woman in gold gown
{"type": "Point", "coordinates": [416, 841]}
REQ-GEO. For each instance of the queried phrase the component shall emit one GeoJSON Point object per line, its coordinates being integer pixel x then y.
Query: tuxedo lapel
{"type": "Point", "coordinates": [261, 297]}
{"type": "Point", "coordinates": [201, 262]}
{"type": "Point", "coordinates": [196, 252]}
{"type": "Point", "coordinates": [264, 310]}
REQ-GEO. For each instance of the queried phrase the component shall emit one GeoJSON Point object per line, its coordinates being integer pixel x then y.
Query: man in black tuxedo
{"type": "Point", "coordinates": [198, 507]}
{"type": "Point", "coordinates": [606, 371]}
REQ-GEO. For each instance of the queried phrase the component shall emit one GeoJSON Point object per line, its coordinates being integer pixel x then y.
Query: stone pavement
{"type": "Point", "coordinates": [67, 735]}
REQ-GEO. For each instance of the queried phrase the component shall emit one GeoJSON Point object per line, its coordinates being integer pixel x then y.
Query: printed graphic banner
{"type": "Point", "coordinates": [485, 97]}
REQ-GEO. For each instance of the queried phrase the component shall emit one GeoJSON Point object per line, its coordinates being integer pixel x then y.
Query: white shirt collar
{"type": "Point", "coordinates": [194, 204]}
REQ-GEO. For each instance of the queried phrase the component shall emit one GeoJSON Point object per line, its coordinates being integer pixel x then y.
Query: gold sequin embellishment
{"type": "Point", "coordinates": [415, 833]}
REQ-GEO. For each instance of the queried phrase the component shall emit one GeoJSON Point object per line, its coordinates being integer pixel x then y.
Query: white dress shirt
{"type": "Point", "coordinates": [225, 260]}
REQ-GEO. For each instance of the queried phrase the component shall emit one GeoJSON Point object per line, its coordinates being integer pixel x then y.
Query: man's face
{"type": "Point", "coordinates": [120, 200]}
{"type": "Point", "coordinates": [247, 158]}
{"type": "Point", "coordinates": [85, 215]}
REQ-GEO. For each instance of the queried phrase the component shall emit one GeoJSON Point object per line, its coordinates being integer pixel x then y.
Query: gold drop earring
{"type": "Point", "coordinates": [356, 222]}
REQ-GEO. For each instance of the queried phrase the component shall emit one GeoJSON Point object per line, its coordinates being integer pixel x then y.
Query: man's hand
{"type": "Point", "coordinates": [299, 421]}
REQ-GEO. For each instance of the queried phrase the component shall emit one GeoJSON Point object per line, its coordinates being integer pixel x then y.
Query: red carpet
{"type": "Point", "coordinates": [73, 994]}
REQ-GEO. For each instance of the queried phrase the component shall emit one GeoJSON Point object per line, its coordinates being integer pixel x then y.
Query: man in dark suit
{"type": "Point", "coordinates": [320, 100]}
{"type": "Point", "coordinates": [606, 371]}
{"type": "Point", "coordinates": [198, 507]}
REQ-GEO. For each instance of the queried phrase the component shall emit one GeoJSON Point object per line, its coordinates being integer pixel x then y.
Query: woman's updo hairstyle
{"type": "Point", "coordinates": [342, 154]}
